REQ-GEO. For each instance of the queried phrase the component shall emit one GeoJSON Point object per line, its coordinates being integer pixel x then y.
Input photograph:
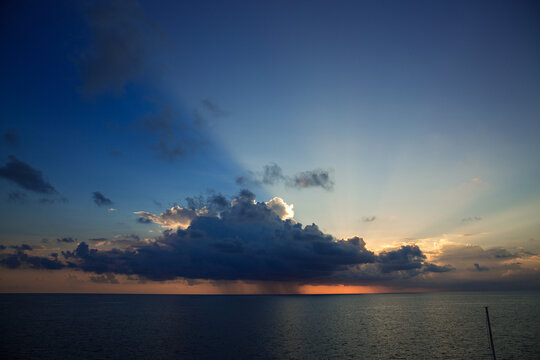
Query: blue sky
{"type": "Point", "coordinates": [424, 116]}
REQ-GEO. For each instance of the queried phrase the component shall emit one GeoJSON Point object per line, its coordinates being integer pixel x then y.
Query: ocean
{"type": "Point", "coordinates": [382, 326]}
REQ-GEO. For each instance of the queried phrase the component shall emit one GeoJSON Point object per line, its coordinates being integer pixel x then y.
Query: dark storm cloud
{"type": "Point", "coordinates": [407, 258]}
{"type": "Point", "coordinates": [25, 176]}
{"type": "Point", "coordinates": [20, 259]}
{"type": "Point", "coordinates": [100, 199]}
{"type": "Point", "coordinates": [11, 137]}
{"type": "Point", "coordinates": [214, 202]}
{"type": "Point", "coordinates": [272, 174]}
{"type": "Point", "coordinates": [250, 241]}
{"type": "Point", "coordinates": [369, 218]}
{"type": "Point", "coordinates": [121, 36]}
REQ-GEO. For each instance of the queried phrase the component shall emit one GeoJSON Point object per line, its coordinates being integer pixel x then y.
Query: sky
{"type": "Point", "coordinates": [269, 147]}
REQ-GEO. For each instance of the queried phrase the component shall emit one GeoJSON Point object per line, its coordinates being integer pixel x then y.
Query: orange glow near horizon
{"type": "Point", "coordinates": [33, 281]}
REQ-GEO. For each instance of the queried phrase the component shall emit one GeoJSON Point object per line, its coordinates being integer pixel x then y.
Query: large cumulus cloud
{"type": "Point", "coordinates": [245, 240]}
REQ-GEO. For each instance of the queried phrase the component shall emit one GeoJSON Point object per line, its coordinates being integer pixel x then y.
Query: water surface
{"type": "Point", "coordinates": [383, 326]}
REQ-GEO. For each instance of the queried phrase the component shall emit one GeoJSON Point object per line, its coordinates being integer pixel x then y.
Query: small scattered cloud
{"type": "Point", "coordinates": [108, 278]}
{"type": "Point", "coordinates": [214, 108]}
{"type": "Point", "coordinates": [477, 267]}
{"type": "Point", "coordinates": [22, 247]}
{"type": "Point", "coordinates": [272, 174]}
{"type": "Point", "coordinates": [127, 237]}
{"type": "Point", "coordinates": [11, 137]}
{"type": "Point", "coordinates": [50, 201]}
{"type": "Point", "coordinates": [471, 219]}
{"type": "Point", "coordinates": [171, 137]}
{"type": "Point", "coordinates": [115, 153]}
{"type": "Point", "coordinates": [143, 220]}
{"type": "Point", "coordinates": [121, 39]}
{"type": "Point", "coordinates": [314, 178]}
{"type": "Point", "coordinates": [26, 176]}
{"type": "Point", "coordinates": [100, 199]}
{"type": "Point", "coordinates": [17, 197]}
{"type": "Point", "coordinates": [98, 239]}
{"type": "Point", "coordinates": [68, 240]}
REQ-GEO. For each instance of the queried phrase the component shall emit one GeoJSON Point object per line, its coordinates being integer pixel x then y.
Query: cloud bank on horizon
{"type": "Point", "coordinates": [246, 240]}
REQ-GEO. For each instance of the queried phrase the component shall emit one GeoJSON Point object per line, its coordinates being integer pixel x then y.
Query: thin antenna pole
{"type": "Point", "coordinates": [490, 335]}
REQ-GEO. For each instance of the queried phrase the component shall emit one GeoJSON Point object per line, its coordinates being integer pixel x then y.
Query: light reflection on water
{"type": "Point", "coordinates": [385, 326]}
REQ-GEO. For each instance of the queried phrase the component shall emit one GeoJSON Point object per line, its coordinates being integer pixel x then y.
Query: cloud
{"type": "Point", "coordinates": [281, 208]}
{"type": "Point", "coordinates": [98, 239]}
{"type": "Point", "coordinates": [49, 201]}
{"type": "Point", "coordinates": [17, 197]}
{"type": "Point", "coordinates": [314, 178]}
{"type": "Point", "coordinates": [471, 219]}
{"type": "Point", "coordinates": [121, 37]}
{"type": "Point", "coordinates": [143, 220]}
{"type": "Point", "coordinates": [369, 218]}
{"type": "Point", "coordinates": [11, 137]}
{"type": "Point", "coordinates": [213, 108]}
{"type": "Point", "coordinates": [100, 199]}
{"type": "Point", "coordinates": [250, 241]}
{"type": "Point", "coordinates": [171, 138]}
{"type": "Point", "coordinates": [108, 278]}
{"type": "Point", "coordinates": [477, 267]}
{"type": "Point", "coordinates": [25, 176]}
{"type": "Point", "coordinates": [175, 217]}
{"type": "Point", "coordinates": [181, 217]}
{"type": "Point", "coordinates": [21, 247]}
{"type": "Point", "coordinates": [272, 174]}
{"type": "Point", "coordinates": [66, 240]}
{"type": "Point", "coordinates": [21, 258]}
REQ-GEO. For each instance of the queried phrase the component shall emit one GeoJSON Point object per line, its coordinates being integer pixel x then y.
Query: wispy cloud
{"type": "Point", "coordinates": [26, 176]}
{"type": "Point", "coordinates": [11, 137]}
{"type": "Point", "coordinates": [272, 174]}
{"type": "Point", "coordinates": [100, 199]}
{"type": "Point", "coordinates": [121, 39]}
{"type": "Point", "coordinates": [471, 219]}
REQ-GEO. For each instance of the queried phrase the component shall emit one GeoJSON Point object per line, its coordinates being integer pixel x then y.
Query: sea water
{"type": "Point", "coordinates": [382, 326]}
